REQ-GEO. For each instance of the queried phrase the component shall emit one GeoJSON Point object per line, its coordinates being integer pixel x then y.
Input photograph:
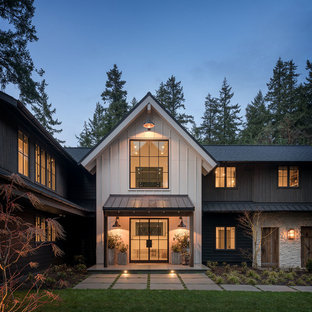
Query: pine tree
{"type": "Point", "coordinates": [84, 138]}
{"type": "Point", "coordinates": [171, 96]}
{"type": "Point", "coordinates": [208, 126]}
{"type": "Point", "coordinates": [196, 133]}
{"type": "Point", "coordinates": [257, 119]}
{"type": "Point", "coordinates": [228, 119]}
{"type": "Point", "coordinates": [133, 102]}
{"type": "Point", "coordinates": [115, 97]}
{"type": "Point", "coordinates": [44, 113]}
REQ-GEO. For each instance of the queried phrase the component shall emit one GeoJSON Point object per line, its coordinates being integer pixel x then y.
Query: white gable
{"type": "Point", "coordinates": [89, 162]}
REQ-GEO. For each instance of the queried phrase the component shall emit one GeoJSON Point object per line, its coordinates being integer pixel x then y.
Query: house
{"type": "Point", "coordinates": [149, 180]}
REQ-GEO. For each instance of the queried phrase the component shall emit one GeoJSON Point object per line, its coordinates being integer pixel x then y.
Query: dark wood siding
{"type": "Point", "coordinates": [258, 182]}
{"type": "Point", "coordinates": [209, 252]}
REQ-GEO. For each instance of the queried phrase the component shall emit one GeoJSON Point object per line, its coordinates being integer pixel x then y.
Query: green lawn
{"type": "Point", "coordinates": [166, 300]}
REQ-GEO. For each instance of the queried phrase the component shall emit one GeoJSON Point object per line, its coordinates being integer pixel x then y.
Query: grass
{"type": "Point", "coordinates": [183, 300]}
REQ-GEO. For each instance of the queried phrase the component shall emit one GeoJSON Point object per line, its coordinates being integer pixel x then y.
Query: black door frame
{"type": "Point", "coordinates": [149, 249]}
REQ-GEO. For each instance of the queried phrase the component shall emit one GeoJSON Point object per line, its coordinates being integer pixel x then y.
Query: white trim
{"type": "Point", "coordinates": [89, 162]}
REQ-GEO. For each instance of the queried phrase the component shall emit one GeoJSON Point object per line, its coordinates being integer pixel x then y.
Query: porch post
{"type": "Point", "coordinates": [192, 239]}
{"type": "Point", "coordinates": [105, 240]}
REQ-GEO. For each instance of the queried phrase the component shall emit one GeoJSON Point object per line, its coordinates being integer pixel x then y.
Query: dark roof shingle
{"type": "Point", "coordinates": [77, 152]}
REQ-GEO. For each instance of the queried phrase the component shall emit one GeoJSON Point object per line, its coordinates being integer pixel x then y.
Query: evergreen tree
{"type": "Point", "coordinates": [44, 113]}
{"type": "Point", "coordinates": [133, 102]}
{"type": "Point", "coordinates": [115, 97]}
{"type": "Point", "coordinates": [257, 119]}
{"type": "Point", "coordinates": [17, 66]}
{"type": "Point", "coordinates": [228, 119]}
{"type": "Point", "coordinates": [208, 127]}
{"type": "Point", "coordinates": [84, 138]}
{"type": "Point", "coordinates": [196, 133]}
{"type": "Point", "coordinates": [171, 96]}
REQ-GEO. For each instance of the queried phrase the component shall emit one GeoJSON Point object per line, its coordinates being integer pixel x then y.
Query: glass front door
{"type": "Point", "coordinates": [149, 240]}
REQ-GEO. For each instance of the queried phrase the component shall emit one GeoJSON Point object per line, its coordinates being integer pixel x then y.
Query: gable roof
{"type": "Point", "coordinates": [77, 152]}
{"type": "Point", "coordinates": [89, 159]}
{"type": "Point", "coordinates": [261, 153]}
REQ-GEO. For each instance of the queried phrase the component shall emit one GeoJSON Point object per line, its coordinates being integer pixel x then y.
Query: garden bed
{"type": "Point", "coordinates": [234, 274]}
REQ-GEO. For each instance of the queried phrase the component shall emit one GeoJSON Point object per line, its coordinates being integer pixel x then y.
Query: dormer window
{"type": "Point", "coordinates": [288, 176]}
{"type": "Point", "coordinates": [149, 164]}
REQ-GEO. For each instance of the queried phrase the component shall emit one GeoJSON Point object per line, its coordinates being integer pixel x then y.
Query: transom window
{"type": "Point", "coordinates": [225, 237]}
{"type": "Point", "coordinates": [225, 177]}
{"type": "Point", "coordinates": [149, 164]}
{"type": "Point", "coordinates": [23, 155]}
{"type": "Point", "coordinates": [288, 176]}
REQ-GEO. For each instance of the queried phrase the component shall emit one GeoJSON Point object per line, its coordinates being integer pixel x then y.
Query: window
{"type": "Point", "coordinates": [23, 153]}
{"type": "Point", "coordinates": [225, 238]}
{"type": "Point", "coordinates": [44, 232]}
{"type": "Point", "coordinates": [149, 164]}
{"type": "Point", "coordinates": [45, 168]}
{"type": "Point", "coordinates": [288, 176]}
{"type": "Point", "coordinates": [225, 177]}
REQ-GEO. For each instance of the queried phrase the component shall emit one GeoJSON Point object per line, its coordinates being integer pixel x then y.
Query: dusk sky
{"type": "Point", "coordinates": [200, 42]}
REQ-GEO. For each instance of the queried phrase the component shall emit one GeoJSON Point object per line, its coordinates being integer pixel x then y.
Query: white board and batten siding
{"type": "Point", "coordinates": [185, 172]}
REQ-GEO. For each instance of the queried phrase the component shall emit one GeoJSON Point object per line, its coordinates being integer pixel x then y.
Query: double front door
{"type": "Point", "coordinates": [149, 240]}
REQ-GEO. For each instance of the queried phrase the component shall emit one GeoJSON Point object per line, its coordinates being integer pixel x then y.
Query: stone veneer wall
{"type": "Point", "coordinates": [289, 250]}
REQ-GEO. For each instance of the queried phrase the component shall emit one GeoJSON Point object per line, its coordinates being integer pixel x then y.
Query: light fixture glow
{"type": "Point", "coordinates": [291, 234]}
{"type": "Point", "coordinates": [116, 224]}
{"type": "Point", "coordinates": [181, 225]}
{"type": "Point", "coordinates": [148, 125]}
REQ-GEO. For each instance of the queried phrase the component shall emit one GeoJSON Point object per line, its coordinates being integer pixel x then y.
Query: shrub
{"type": "Point", "coordinates": [81, 268]}
{"type": "Point", "coordinates": [253, 274]}
{"type": "Point", "coordinates": [211, 275]}
{"type": "Point", "coordinates": [309, 265]}
{"type": "Point", "coordinates": [251, 281]}
{"type": "Point", "coordinates": [244, 267]}
{"type": "Point", "coordinates": [232, 278]}
{"type": "Point", "coordinates": [272, 280]}
{"type": "Point", "coordinates": [219, 280]}
{"type": "Point", "coordinates": [79, 259]}
{"type": "Point", "coordinates": [300, 282]}
{"type": "Point", "coordinates": [212, 265]}
{"type": "Point", "coordinates": [290, 275]}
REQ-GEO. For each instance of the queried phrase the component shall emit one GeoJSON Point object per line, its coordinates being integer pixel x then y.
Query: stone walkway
{"type": "Point", "coordinates": [173, 281]}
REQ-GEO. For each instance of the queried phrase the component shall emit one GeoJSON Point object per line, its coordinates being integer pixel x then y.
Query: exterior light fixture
{"type": "Point", "coordinates": [116, 224]}
{"type": "Point", "coordinates": [181, 225]}
{"type": "Point", "coordinates": [148, 125]}
{"type": "Point", "coordinates": [291, 234]}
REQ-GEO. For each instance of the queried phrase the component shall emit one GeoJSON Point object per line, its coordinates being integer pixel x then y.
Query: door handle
{"type": "Point", "coordinates": [149, 243]}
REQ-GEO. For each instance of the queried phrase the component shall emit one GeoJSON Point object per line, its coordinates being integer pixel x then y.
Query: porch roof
{"type": "Point", "coordinates": [148, 202]}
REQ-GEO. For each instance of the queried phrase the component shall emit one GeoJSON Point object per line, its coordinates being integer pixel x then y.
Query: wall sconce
{"type": "Point", "coordinates": [291, 234]}
{"type": "Point", "coordinates": [181, 225]}
{"type": "Point", "coordinates": [116, 224]}
{"type": "Point", "coordinates": [148, 125]}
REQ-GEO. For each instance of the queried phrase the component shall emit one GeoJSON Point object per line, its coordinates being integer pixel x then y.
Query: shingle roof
{"type": "Point", "coordinates": [261, 153]}
{"type": "Point", "coordinates": [252, 206]}
{"type": "Point", "coordinates": [77, 152]}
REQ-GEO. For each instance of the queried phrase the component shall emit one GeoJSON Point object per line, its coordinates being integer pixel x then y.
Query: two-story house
{"type": "Point", "coordinates": [149, 180]}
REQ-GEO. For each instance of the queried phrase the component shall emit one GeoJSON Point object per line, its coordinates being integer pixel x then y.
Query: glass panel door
{"type": "Point", "coordinates": [149, 240]}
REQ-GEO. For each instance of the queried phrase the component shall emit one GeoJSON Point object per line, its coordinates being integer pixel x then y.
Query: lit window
{"type": "Point", "coordinates": [44, 233]}
{"type": "Point", "coordinates": [225, 177]}
{"type": "Point", "coordinates": [225, 238]}
{"type": "Point", "coordinates": [149, 164]}
{"type": "Point", "coordinates": [51, 172]}
{"type": "Point", "coordinates": [23, 153]}
{"type": "Point", "coordinates": [288, 176]}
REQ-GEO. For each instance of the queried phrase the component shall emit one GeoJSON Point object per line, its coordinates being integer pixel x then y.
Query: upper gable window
{"type": "Point", "coordinates": [225, 177]}
{"type": "Point", "coordinates": [23, 155]}
{"type": "Point", "coordinates": [149, 165]}
{"type": "Point", "coordinates": [288, 176]}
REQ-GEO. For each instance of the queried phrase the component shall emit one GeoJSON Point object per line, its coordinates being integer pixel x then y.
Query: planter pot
{"type": "Point", "coordinates": [122, 258]}
{"type": "Point", "coordinates": [176, 258]}
{"type": "Point", "coordinates": [112, 256]}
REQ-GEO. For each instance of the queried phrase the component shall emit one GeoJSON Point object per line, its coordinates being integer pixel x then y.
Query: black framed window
{"type": "Point", "coordinates": [23, 155]}
{"type": "Point", "coordinates": [225, 177]}
{"type": "Point", "coordinates": [288, 176]}
{"type": "Point", "coordinates": [225, 237]}
{"type": "Point", "coordinates": [149, 164]}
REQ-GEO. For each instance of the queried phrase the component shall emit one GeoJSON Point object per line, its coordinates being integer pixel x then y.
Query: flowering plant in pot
{"type": "Point", "coordinates": [113, 243]}
{"type": "Point", "coordinates": [180, 248]}
{"type": "Point", "coordinates": [122, 255]}
{"type": "Point", "coordinates": [176, 252]}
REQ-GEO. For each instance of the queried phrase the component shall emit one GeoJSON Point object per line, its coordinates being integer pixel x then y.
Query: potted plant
{"type": "Point", "coordinates": [183, 243]}
{"type": "Point", "coordinates": [176, 252]}
{"type": "Point", "coordinates": [122, 255]}
{"type": "Point", "coordinates": [114, 240]}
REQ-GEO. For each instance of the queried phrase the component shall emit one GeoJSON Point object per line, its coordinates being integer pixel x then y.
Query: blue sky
{"type": "Point", "coordinates": [200, 42]}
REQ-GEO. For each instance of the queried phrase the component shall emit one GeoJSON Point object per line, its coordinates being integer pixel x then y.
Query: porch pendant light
{"type": "Point", "coordinates": [116, 224]}
{"type": "Point", "coordinates": [181, 225]}
{"type": "Point", "coordinates": [148, 125]}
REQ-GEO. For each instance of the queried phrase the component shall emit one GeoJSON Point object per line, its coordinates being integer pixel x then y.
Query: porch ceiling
{"type": "Point", "coordinates": [148, 204]}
